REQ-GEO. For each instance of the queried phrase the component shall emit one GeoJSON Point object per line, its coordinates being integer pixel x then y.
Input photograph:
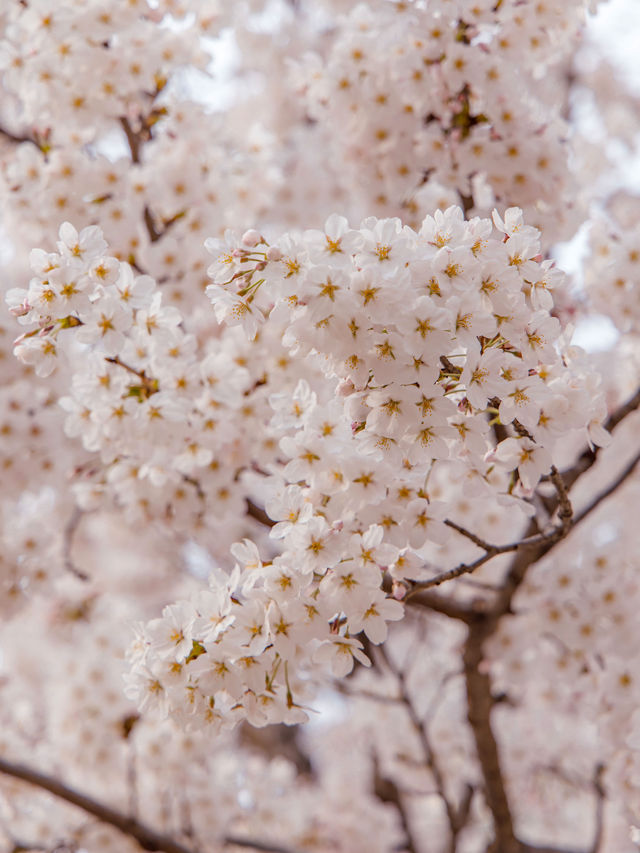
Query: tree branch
{"type": "Point", "coordinates": [434, 601]}
{"type": "Point", "coordinates": [387, 791]}
{"type": "Point", "coordinates": [600, 795]}
{"type": "Point", "coordinates": [133, 139]}
{"type": "Point", "coordinates": [67, 543]}
{"type": "Point", "coordinates": [534, 540]}
{"type": "Point", "coordinates": [454, 817]}
{"type": "Point", "coordinates": [258, 513]}
{"type": "Point", "coordinates": [479, 705]}
{"type": "Point", "coordinates": [147, 838]}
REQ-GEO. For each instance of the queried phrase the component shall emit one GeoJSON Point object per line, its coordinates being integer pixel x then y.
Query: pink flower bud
{"type": "Point", "coordinates": [398, 590]}
{"type": "Point", "coordinates": [273, 253]}
{"type": "Point", "coordinates": [251, 237]}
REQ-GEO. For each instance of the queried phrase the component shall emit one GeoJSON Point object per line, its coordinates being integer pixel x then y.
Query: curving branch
{"type": "Point", "coordinates": [533, 541]}
{"type": "Point", "coordinates": [258, 514]}
{"type": "Point", "coordinates": [147, 838]}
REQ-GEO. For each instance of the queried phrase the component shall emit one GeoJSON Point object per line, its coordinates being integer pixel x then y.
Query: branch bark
{"type": "Point", "coordinates": [133, 139]}
{"type": "Point", "coordinates": [479, 706]}
{"type": "Point", "coordinates": [67, 544]}
{"type": "Point", "coordinates": [147, 838]}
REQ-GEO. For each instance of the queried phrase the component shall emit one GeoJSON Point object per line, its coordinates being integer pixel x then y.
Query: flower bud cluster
{"type": "Point", "coordinates": [121, 52]}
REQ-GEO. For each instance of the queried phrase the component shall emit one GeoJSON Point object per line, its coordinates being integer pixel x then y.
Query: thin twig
{"type": "Point", "coordinates": [434, 601]}
{"type": "Point", "coordinates": [357, 693]}
{"type": "Point", "coordinates": [431, 759]}
{"type": "Point", "coordinates": [565, 514]}
{"type": "Point", "coordinates": [472, 536]}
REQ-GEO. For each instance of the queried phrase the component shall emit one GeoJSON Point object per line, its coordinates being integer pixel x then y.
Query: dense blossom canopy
{"type": "Point", "coordinates": [294, 429]}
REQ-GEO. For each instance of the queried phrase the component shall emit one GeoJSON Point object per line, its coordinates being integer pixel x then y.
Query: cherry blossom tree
{"type": "Point", "coordinates": [318, 524]}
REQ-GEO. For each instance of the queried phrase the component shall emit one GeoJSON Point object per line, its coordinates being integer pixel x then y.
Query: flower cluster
{"type": "Point", "coordinates": [469, 122]}
{"type": "Point", "coordinates": [424, 340]}
{"type": "Point", "coordinates": [152, 408]}
{"type": "Point", "coordinates": [612, 274]}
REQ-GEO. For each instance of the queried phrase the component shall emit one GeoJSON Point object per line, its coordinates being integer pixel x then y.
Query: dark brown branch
{"type": "Point", "coordinates": [434, 601]}
{"type": "Point", "coordinates": [600, 796]}
{"type": "Point", "coordinates": [133, 139]}
{"type": "Point", "coordinates": [525, 559]}
{"type": "Point", "coordinates": [150, 225]}
{"type": "Point", "coordinates": [479, 705]}
{"type": "Point", "coordinates": [480, 702]}
{"type": "Point", "coordinates": [621, 413]}
{"type": "Point", "coordinates": [344, 688]}
{"type": "Point", "coordinates": [462, 569]}
{"type": "Point", "coordinates": [67, 543]}
{"type": "Point", "coordinates": [147, 838]}
{"type": "Point", "coordinates": [155, 233]}
{"type": "Point", "coordinates": [534, 540]}
{"type": "Point", "coordinates": [469, 535]}
{"type": "Point", "coordinates": [479, 694]}
{"type": "Point", "coordinates": [258, 513]}
{"type": "Point", "coordinates": [440, 604]}
{"type": "Point", "coordinates": [20, 846]}
{"type": "Point", "coordinates": [387, 791]}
